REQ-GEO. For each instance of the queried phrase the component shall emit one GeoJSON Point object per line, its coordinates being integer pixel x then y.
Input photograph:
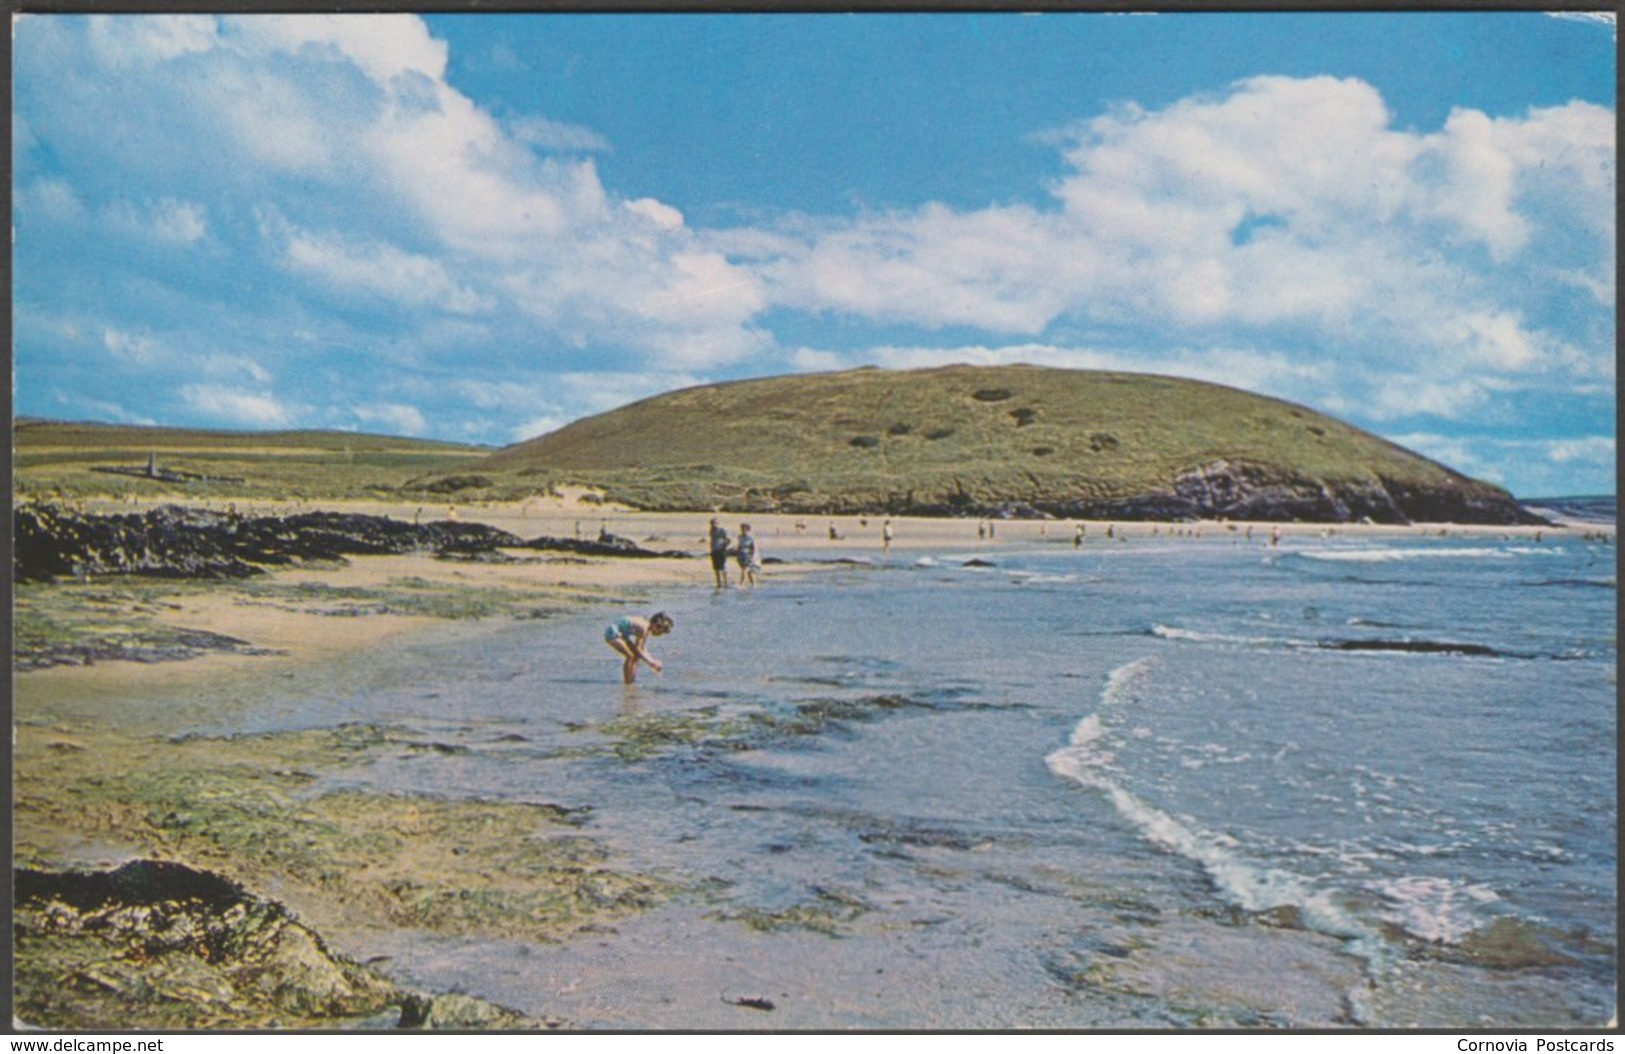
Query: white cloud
{"type": "Point", "coordinates": [181, 222]}
{"type": "Point", "coordinates": [121, 43]}
{"type": "Point", "coordinates": [1459, 452]}
{"type": "Point", "coordinates": [444, 208]}
{"type": "Point", "coordinates": [168, 221]}
{"type": "Point", "coordinates": [51, 199]}
{"type": "Point", "coordinates": [385, 46]}
{"type": "Point", "coordinates": [993, 269]}
{"type": "Point", "coordinates": [664, 216]}
{"type": "Point", "coordinates": [559, 136]}
{"type": "Point", "coordinates": [394, 418]}
{"type": "Point", "coordinates": [1400, 397]}
{"type": "Point", "coordinates": [1528, 467]}
{"type": "Point", "coordinates": [236, 408]}
{"type": "Point", "coordinates": [1284, 211]}
{"type": "Point", "coordinates": [381, 270]}
{"type": "Point", "coordinates": [134, 349]}
{"type": "Point", "coordinates": [1596, 450]}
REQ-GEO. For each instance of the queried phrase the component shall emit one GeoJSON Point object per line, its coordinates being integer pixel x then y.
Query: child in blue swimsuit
{"type": "Point", "coordinates": [748, 563]}
{"type": "Point", "coordinates": [628, 635]}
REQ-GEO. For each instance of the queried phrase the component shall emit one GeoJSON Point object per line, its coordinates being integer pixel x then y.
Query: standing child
{"type": "Point", "coordinates": [748, 565]}
{"type": "Point", "coordinates": [628, 637]}
{"type": "Point", "coordinates": [719, 553]}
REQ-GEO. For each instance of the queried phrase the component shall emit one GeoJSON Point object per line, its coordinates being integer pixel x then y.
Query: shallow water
{"type": "Point", "coordinates": [1172, 783]}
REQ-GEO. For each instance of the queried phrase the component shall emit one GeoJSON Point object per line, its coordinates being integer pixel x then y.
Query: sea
{"type": "Point", "coordinates": [1151, 783]}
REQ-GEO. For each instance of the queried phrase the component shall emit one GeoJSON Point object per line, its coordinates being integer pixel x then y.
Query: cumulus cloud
{"type": "Point", "coordinates": [1283, 207]}
{"type": "Point", "coordinates": [383, 270]}
{"type": "Point", "coordinates": [235, 408]}
{"type": "Point", "coordinates": [559, 136]}
{"type": "Point", "coordinates": [348, 123]}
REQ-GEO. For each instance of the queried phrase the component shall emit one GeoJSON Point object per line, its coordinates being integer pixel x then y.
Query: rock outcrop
{"type": "Point", "coordinates": [1239, 491]}
{"type": "Point", "coordinates": [180, 542]}
{"type": "Point", "coordinates": [159, 945]}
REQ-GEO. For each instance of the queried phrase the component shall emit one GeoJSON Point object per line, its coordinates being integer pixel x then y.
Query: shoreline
{"type": "Point", "coordinates": [112, 762]}
{"type": "Point", "coordinates": [283, 634]}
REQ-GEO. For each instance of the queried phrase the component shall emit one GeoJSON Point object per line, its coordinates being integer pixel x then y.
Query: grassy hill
{"type": "Point", "coordinates": [960, 440]}
{"type": "Point", "coordinates": [982, 440]}
{"type": "Point", "coordinates": [52, 458]}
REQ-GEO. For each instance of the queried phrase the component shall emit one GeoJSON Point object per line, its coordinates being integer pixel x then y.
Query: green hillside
{"type": "Point", "coordinates": [1012, 439]}
{"type": "Point", "coordinates": [52, 458]}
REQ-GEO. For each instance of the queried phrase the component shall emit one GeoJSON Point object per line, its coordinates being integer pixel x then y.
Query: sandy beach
{"type": "Point", "coordinates": [307, 633]}
{"type": "Point", "coordinates": [108, 754]}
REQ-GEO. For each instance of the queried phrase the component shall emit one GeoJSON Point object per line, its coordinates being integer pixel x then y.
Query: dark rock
{"type": "Point", "coordinates": [754, 1002]}
{"type": "Point", "coordinates": [1419, 647]}
{"type": "Point", "coordinates": [178, 542]}
{"type": "Point", "coordinates": [1242, 491]}
{"type": "Point", "coordinates": [160, 945]}
{"type": "Point", "coordinates": [613, 546]}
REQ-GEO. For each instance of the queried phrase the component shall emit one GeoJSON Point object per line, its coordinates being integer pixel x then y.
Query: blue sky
{"type": "Point", "coordinates": [481, 227]}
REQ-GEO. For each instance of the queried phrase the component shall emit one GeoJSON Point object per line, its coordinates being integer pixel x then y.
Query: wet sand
{"type": "Point", "coordinates": [109, 766]}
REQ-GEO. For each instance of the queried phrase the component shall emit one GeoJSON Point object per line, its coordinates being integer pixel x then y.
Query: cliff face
{"type": "Point", "coordinates": [1017, 440]}
{"type": "Point", "coordinates": [1223, 490]}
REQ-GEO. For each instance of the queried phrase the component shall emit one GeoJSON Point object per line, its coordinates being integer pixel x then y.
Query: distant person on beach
{"type": "Point", "coordinates": [1077, 537]}
{"type": "Point", "coordinates": [748, 564]}
{"type": "Point", "coordinates": [719, 552]}
{"type": "Point", "coordinates": [628, 636]}
{"type": "Point", "coordinates": [885, 537]}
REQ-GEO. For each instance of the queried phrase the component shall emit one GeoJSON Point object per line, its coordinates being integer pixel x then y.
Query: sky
{"type": "Point", "coordinates": [480, 227]}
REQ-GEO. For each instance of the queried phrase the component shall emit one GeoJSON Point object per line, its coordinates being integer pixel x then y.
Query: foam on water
{"type": "Point", "coordinates": [1401, 555]}
{"type": "Point", "coordinates": [1441, 910]}
{"type": "Point", "coordinates": [1089, 760]}
{"type": "Point", "coordinates": [1200, 637]}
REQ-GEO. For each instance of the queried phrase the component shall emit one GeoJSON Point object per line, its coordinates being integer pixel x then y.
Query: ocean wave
{"type": "Point", "coordinates": [1404, 645]}
{"type": "Point", "coordinates": [1249, 885]}
{"type": "Point", "coordinates": [1121, 682]}
{"type": "Point", "coordinates": [1389, 556]}
{"type": "Point", "coordinates": [1167, 632]}
{"type": "Point", "coordinates": [1088, 760]}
